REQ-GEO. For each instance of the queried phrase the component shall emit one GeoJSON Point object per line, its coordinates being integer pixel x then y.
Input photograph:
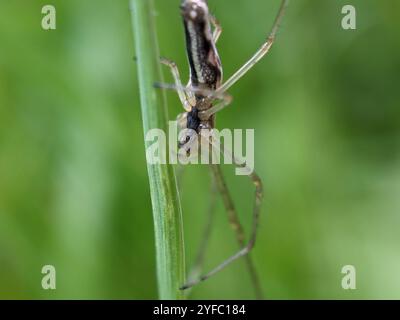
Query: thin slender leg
{"type": "Point", "coordinates": [199, 261]}
{"type": "Point", "coordinates": [210, 94]}
{"type": "Point", "coordinates": [178, 83]}
{"type": "Point", "coordinates": [236, 226]}
{"type": "Point", "coordinates": [217, 28]}
{"type": "Point", "coordinates": [246, 248]}
{"type": "Point", "coordinates": [258, 55]}
{"type": "Point", "coordinates": [206, 114]}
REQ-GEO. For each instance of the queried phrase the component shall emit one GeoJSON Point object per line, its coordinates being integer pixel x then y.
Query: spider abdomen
{"type": "Point", "coordinates": [204, 61]}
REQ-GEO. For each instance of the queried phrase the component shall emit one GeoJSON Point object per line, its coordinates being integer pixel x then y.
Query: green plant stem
{"type": "Point", "coordinates": [167, 212]}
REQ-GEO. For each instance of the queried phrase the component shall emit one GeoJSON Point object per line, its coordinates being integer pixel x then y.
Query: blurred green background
{"type": "Point", "coordinates": [73, 183]}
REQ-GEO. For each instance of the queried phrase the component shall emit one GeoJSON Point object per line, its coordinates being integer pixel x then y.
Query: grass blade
{"type": "Point", "coordinates": [167, 212]}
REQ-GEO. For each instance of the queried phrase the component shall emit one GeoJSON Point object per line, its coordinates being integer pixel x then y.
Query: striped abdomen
{"type": "Point", "coordinates": [205, 65]}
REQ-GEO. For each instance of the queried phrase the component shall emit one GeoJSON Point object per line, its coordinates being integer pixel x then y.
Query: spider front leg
{"type": "Point", "coordinates": [178, 83]}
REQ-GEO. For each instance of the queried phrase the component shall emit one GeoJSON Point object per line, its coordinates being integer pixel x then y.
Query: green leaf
{"type": "Point", "coordinates": [167, 211]}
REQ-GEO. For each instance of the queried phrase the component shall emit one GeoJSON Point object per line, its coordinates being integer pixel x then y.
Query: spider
{"type": "Point", "coordinates": [205, 95]}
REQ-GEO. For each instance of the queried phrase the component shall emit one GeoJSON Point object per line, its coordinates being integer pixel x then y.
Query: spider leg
{"type": "Point", "coordinates": [226, 100]}
{"type": "Point", "coordinates": [210, 95]}
{"type": "Point", "coordinates": [189, 90]}
{"type": "Point", "coordinates": [246, 247]}
{"type": "Point", "coordinates": [259, 54]}
{"type": "Point", "coordinates": [178, 83]}
{"type": "Point", "coordinates": [197, 267]}
{"type": "Point", "coordinates": [237, 227]}
{"type": "Point", "coordinates": [217, 28]}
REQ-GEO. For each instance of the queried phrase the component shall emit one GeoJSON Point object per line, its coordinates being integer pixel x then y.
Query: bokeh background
{"type": "Point", "coordinates": [73, 183]}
